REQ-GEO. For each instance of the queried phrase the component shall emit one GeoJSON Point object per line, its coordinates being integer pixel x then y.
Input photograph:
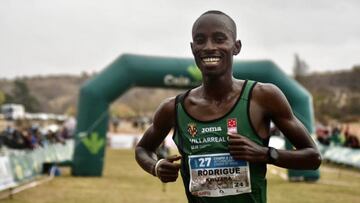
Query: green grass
{"type": "Point", "coordinates": [336, 185]}
{"type": "Point", "coordinates": [124, 181]}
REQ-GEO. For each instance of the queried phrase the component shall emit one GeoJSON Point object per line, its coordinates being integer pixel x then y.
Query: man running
{"type": "Point", "coordinates": [222, 127]}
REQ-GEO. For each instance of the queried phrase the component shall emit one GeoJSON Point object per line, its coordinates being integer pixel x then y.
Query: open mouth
{"type": "Point", "coordinates": [214, 60]}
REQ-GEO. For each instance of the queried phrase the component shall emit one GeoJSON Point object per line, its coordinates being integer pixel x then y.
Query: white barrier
{"type": "Point", "coordinates": [128, 141]}
{"type": "Point", "coordinates": [341, 155]}
{"type": "Point", "coordinates": [6, 177]}
{"type": "Point", "coordinates": [20, 166]}
{"type": "Point", "coordinates": [122, 141]}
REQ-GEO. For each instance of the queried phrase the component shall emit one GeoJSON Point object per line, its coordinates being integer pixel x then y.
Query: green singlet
{"type": "Point", "coordinates": [194, 137]}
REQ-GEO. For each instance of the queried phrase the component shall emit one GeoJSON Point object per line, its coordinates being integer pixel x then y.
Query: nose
{"type": "Point", "coordinates": [209, 45]}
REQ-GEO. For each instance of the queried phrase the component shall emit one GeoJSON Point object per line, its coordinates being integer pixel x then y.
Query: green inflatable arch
{"type": "Point", "coordinates": [147, 71]}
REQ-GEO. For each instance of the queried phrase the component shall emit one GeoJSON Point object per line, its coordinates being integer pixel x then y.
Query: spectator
{"type": "Point", "coordinates": [27, 138]}
{"type": "Point", "coordinates": [335, 137]}
{"type": "Point", "coordinates": [14, 139]}
{"type": "Point", "coordinates": [34, 137]}
{"type": "Point", "coordinates": [64, 133]}
{"type": "Point", "coordinates": [115, 121]}
{"type": "Point", "coordinates": [323, 135]}
{"type": "Point", "coordinates": [350, 139]}
{"type": "Point", "coordinates": [70, 125]}
{"type": "Point", "coordinates": [54, 137]}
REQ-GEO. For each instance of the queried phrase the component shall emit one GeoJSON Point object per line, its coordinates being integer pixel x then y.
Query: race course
{"type": "Point", "coordinates": [125, 182]}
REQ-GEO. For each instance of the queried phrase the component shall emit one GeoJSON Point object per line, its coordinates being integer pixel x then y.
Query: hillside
{"type": "Point", "coordinates": [59, 94]}
{"type": "Point", "coordinates": [336, 94]}
{"type": "Point", "coordinates": [55, 93]}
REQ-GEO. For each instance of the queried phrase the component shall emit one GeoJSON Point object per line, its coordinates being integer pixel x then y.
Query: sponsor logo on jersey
{"type": "Point", "coordinates": [192, 130]}
{"type": "Point", "coordinates": [211, 129]}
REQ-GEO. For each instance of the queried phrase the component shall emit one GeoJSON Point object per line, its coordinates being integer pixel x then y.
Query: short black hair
{"type": "Point", "coordinates": [232, 22]}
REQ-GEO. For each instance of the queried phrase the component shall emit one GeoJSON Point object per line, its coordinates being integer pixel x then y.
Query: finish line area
{"type": "Point", "coordinates": [124, 181]}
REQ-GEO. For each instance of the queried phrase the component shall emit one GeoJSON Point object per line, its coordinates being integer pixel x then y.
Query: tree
{"type": "Point", "coordinates": [300, 67]}
{"type": "Point", "coordinates": [22, 95]}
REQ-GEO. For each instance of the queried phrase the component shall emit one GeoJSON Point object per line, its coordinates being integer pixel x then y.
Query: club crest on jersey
{"type": "Point", "coordinates": [192, 130]}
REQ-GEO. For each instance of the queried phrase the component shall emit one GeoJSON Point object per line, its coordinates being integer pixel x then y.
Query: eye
{"type": "Point", "coordinates": [199, 39]}
{"type": "Point", "coordinates": [219, 38]}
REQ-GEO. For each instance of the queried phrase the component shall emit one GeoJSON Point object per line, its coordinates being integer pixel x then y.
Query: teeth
{"type": "Point", "coordinates": [212, 59]}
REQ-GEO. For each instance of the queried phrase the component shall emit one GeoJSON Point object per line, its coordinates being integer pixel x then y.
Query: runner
{"type": "Point", "coordinates": [222, 127]}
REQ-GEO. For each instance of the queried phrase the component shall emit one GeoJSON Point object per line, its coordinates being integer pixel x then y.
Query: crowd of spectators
{"type": "Point", "coordinates": [33, 137]}
{"type": "Point", "coordinates": [337, 135]}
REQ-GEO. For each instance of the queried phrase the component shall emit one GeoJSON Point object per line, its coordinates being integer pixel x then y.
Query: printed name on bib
{"type": "Point", "coordinates": [215, 175]}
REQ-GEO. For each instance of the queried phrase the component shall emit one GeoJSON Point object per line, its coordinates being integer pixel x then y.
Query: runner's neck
{"type": "Point", "coordinates": [218, 89]}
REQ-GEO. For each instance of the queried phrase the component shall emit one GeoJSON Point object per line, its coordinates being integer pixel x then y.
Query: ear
{"type": "Point", "coordinates": [192, 47]}
{"type": "Point", "coordinates": [237, 47]}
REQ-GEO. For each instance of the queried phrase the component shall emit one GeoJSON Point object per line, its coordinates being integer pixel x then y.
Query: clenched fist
{"type": "Point", "coordinates": [242, 148]}
{"type": "Point", "coordinates": [167, 170]}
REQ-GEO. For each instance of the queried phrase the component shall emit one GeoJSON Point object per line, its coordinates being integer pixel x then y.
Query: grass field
{"type": "Point", "coordinates": [124, 181]}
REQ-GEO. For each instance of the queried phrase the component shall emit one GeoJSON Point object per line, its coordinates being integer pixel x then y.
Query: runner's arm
{"type": "Point", "coordinates": [164, 120]}
{"type": "Point", "coordinates": [305, 155]}
{"type": "Point", "coordinates": [276, 108]}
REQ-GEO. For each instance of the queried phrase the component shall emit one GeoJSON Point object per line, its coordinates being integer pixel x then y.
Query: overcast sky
{"type": "Point", "coordinates": [72, 36]}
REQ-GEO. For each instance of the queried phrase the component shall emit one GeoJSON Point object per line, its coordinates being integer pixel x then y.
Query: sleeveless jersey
{"type": "Point", "coordinates": [194, 137]}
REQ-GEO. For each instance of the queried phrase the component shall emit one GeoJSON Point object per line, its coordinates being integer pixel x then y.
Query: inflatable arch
{"type": "Point", "coordinates": [147, 71]}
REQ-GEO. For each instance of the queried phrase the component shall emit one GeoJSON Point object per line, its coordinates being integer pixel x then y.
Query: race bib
{"type": "Point", "coordinates": [215, 175]}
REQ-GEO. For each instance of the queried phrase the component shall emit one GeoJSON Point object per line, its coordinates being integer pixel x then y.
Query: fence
{"type": "Point", "coordinates": [340, 155]}
{"type": "Point", "coordinates": [19, 166]}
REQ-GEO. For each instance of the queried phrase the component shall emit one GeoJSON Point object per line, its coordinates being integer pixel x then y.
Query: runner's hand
{"type": "Point", "coordinates": [167, 170]}
{"type": "Point", "coordinates": [242, 148]}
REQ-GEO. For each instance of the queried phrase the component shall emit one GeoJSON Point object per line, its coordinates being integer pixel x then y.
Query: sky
{"type": "Point", "coordinates": [41, 37]}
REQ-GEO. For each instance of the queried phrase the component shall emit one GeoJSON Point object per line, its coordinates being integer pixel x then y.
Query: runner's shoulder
{"type": "Point", "coordinates": [165, 113]}
{"type": "Point", "coordinates": [167, 106]}
{"type": "Point", "coordinates": [266, 89]}
{"type": "Point", "coordinates": [270, 97]}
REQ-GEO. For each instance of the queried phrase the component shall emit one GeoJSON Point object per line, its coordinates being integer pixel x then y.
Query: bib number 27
{"type": "Point", "coordinates": [204, 162]}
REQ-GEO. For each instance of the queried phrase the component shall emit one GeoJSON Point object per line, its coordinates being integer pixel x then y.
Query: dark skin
{"type": "Point", "coordinates": [213, 37]}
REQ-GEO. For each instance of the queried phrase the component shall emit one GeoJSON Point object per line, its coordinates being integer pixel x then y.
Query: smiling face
{"type": "Point", "coordinates": [214, 44]}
